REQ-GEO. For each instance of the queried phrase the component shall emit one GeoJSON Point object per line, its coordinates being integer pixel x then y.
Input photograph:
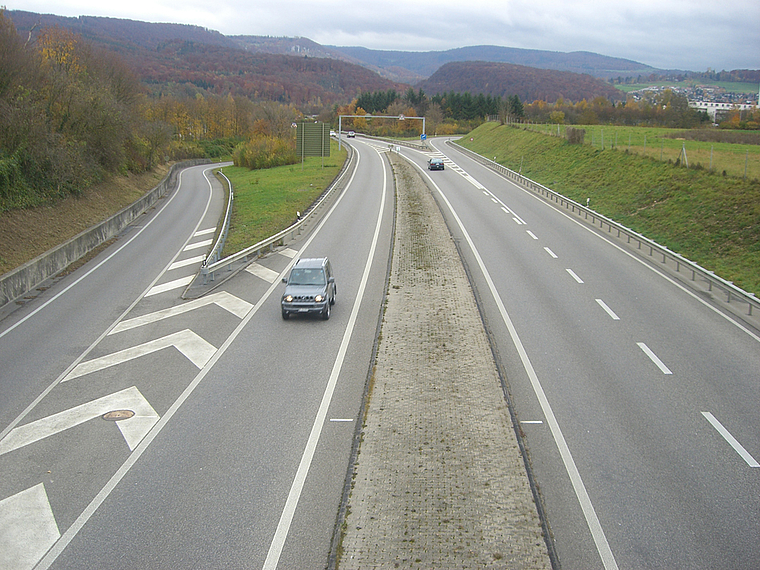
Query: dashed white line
{"type": "Point", "coordinates": [738, 447]}
{"type": "Point", "coordinates": [550, 252]}
{"type": "Point", "coordinates": [609, 311]}
{"type": "Point", "coordinates": [653, 357]}
{"type": "Point", "coordinates": [574, 276]}
{"type": "Point", "coordinates": [531, 234]}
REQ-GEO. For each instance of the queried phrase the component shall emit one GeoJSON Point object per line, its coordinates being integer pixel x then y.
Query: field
{"type": "Point", "coordinates": [266, 201]}
{"type": "Point", "coordinates": [709, 218]}
{"type": "Point", "coordinates": [671, 145]}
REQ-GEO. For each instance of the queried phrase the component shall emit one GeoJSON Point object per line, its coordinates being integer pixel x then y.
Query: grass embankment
{"type": "Point", "coordinates": [266, 201]}
{"type": "Point", "coordinates": [713, 220]}
{"type": "Point", "coordinates": [668, 145]}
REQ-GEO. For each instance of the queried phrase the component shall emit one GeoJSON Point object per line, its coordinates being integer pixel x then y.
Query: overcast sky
{"type": "Point", "coordinates": [668, 34]}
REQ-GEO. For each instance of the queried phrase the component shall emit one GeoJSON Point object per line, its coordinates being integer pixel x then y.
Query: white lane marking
{"type": "Point", "coordinates": [341, 420]}
{"type": "Point", "coordinates": [532, 422]}
{"type": "Point", "coordinates": [518, 221]}
{"type": "Point", "coordinates": [609, 311]}
{"type": "Point", "coordinates": [283, 526]}
{"type": "Point", "coordinates": [531, 234]}
{"type": "Point", "coordinates": [27, 528]}
{"type": "Point", "coordinates": [134, 303]}
{"type": "Point", "coordinates": [197, 351]}
{"type": "Point", "coordinates": [205, 232]}
{"type": "Point", "coordinates": [125, 467]}
{"type": "Point", "coordinates": [170, 286]}
{"type": "Point", "coordinates": [550, 252]}
{"type": "Point", "coordinates": [592, 520]}
{"type": "Point", "coordinates": [133, 429]}
{"type": "Point", "coordinates": [287, 252]}
{"type": "Point", "coordinates": [738, 447]}
{"type": "Point", "coordinates": [186, 262]}
{"type": "Point", "coordinates": [223, 299]}
{"type": "Point", "coordinates": [574, 276]}
{"type": "Point", "coordinates": [198, 244]}
{"type": "Point", "coordinates": [262, 272]}
{"type": "Point", "coordinates": [653, 357]}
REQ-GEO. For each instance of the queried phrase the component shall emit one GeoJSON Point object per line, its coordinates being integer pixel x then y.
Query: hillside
{"type": "Point", "coordinates": [528, 83]}
{"type": "Point", "coordinates": [424, 64]}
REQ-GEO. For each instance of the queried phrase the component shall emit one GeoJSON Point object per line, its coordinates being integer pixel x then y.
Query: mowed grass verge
{"type": "Point", "coordinates": [267, 201]}
{"type": "Point", "coordinates": [711, 219]}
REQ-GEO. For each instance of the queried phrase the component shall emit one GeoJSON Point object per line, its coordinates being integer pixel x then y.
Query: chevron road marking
{"type": "Point", "coordinates": [27, 528]}
{"type": "Point", "coordinates": [226, 301]}
{"type": "Point", "coordinates": [133, 428]}
{"type": "Point", "coordinates": [262, 272]}
{"type": "Point", "coordinates": [170, 285]}
{"type": "Point", "coordinates": [197, 350]}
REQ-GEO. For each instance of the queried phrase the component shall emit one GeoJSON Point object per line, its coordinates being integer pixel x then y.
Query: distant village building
{"type": "Point", "coordinates": [718, 110]}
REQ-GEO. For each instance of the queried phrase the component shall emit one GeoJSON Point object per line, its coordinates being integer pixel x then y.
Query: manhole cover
{"type": "Point", "coordinates": [117, 415]}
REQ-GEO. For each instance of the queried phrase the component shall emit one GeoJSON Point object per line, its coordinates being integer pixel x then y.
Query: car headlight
{"type": "Point", "coordinates": [319, 298]}
{"type": "Point", "coordinates": [288, 298]}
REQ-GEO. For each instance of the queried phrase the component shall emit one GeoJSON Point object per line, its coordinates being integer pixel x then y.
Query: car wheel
{"type": "Point", "coordinates": [326, 312]}
{"type": "Point", "coordinates": [335, 292]}
{"type": "Point", "coordinates": [285, 316]}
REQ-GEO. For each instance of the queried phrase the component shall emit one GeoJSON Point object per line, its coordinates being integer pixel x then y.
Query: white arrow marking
{"type": "Point", "coordinates": [27, 528]}
{"type": "Point", "coordinates": [262, 272]}
{"type": "Point", "coordinates": [197, 350]}
{"type": "Point", "coordinates": [133, 429]}
{"type": "Point", "coordinates": [225, 300]}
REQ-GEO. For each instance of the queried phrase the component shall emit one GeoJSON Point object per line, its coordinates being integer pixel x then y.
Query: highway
{"type": "Point", "coordinates": [636, 399]}
{"type": "Point", "coordinates": [238, 449]}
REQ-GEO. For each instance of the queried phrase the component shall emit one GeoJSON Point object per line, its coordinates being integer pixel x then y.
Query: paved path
{"type": "Point", "coordinates": [439, 480]}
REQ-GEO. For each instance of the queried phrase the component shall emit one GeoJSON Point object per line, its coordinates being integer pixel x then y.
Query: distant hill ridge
{"type": "Point", "coordinates": [297, 70]}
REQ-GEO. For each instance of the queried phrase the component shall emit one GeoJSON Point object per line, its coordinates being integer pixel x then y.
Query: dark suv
{"type": "Point", "coordinates": [310, 288]}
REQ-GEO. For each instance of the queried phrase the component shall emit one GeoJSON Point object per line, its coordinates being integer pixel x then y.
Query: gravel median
{"type": "Point", "coordinates": [439, 480]}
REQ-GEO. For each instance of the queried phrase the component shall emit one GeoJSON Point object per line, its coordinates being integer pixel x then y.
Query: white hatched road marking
{"type": "Point", "coordinates": [198, 244]}
{"type": "Point", "coordinates": [186, 262]}
{"type": "Point", "coordinates": [263, 272]}
{"type": "Point", "coordinates": [226, 301]}
{"type": "Point", "coordinates": [197, 351]}
{"type": "Point", "coordinates": [550, 252]}
{"type": "Point", "coordinates": [170, 286]}
{"type": "Point", "coordinates": [732, 441]}
{"type": "Point", "coordinates": [133, 429]}
{"type": "Point", "coordinates": [27, 528]}
{"type": "Point", "coordinates": [287, 252]}
{"type": "Point", "coordinates": [205, 232]}
{"type": "Point", "coordinates": [653, 357]}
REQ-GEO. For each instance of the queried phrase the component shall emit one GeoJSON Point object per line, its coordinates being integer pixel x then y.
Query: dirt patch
{"type": "Point", "coordinates": [25, 234]}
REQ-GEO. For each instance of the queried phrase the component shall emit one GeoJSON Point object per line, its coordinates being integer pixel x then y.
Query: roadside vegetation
{"type": "Point", "coordinates": [267, 201]}
{"type": "Point", "coordinates": [712, 219]}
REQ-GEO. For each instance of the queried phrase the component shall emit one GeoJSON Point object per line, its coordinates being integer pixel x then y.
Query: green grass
{"type": "Point", "coordinates": [713, 220]}
{"type": "Point", "coordinates": [266, 201]}
{"type": "Point", "coordinates": [668, 145]}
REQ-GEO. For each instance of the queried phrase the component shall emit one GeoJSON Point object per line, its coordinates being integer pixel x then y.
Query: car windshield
{"type": "Point", "coordinates": [307, 277]}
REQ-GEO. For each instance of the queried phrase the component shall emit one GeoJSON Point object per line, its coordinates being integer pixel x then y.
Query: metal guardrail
{"type": "Point", "coordinates": [733, 294]}
{"type": "Point", "coordinates": [210, 268]}
{"type": "Point", "coordinates": [216, 251]}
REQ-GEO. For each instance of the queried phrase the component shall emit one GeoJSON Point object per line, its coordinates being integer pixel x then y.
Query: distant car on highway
{"type": "Point", "coordinates": [310, 288]}
{"type": "Point", "coordinates": [351, 134]}
{"type": "Point", "coordinates": [435, 164]}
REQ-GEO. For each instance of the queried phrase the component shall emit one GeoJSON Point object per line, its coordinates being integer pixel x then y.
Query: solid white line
{"type": "Point", "coordinates": [531, 234]}
{"type": "Point", "coordinates": [595, 527]}
{"type": "Point", "coordinates": [186, 262]}
{"type": "Point", "coordinates": [283, 526]}
{"type": "Point", "coordinates": [550, 252]}
{"type": "Point", "coordinates": [100, 498]}
{"type": "Point", "coordinates": [574, 276]}
{"type": "Point", "coordinates": [653, 357]}
{"type": "Point", "coordinates": [609, 311]}
{"type": "Point", "coordinates": [738, 447]}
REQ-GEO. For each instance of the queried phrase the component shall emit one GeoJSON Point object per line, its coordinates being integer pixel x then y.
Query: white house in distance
{"type": "Point", "coordinates": [714, 107]}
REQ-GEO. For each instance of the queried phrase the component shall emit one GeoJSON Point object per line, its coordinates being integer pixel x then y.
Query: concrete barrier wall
{"type": "Point", "coordinates": [23, 279]}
